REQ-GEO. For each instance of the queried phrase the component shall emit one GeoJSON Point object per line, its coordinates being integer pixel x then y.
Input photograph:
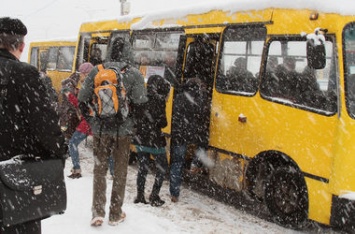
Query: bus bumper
{"type": "Point", "coordinates": [343, 211]}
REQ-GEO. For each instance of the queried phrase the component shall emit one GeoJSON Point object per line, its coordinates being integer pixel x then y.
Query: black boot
{"type": "Point", "coordinates": [155, 200]}
{"type": "Point", "coordinates": [140, 199]}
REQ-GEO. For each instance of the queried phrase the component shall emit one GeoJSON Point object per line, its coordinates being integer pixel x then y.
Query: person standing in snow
{"type": "Point", "coordinates": [73, 123]}
{"type": "Point", "coordinates": [112, 137]}
{"type": "Point", "coordinates": [150, 140]}
{"type": "Point", "coordinates": [68, 111]}
{"type": "Point", "coordinates": [28, 123]}
{"type": "Point", "coordinates": [189, 126]}
{"type": "Point", "coordinates": [82, 130]}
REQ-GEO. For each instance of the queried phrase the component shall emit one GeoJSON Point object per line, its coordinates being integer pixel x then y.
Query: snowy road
{"type": "Point", "coordinates": [193, 214]}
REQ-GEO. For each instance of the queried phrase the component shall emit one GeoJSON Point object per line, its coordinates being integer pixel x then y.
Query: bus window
{"type": "Point", "coordinates": [83, 50]}
{"type": "Point", "coordinates": [98, 52]}
{"type": "Point", "coordinates": [52, 58]}
{"type": "Point", "coordinates": [241, 59]}
{"type": "Point", "coordinates": [65, 58]}
{"type": "Point", "coordinates": [34, 57]}
{"type": "Point", "coordinates": [43, 60]}
{"type": "Point", "coordinates": [155, 53]}
{"type": "Point", "coordinates": [349, 47]}
{"type": "Point", "coordinates": [290, 80]}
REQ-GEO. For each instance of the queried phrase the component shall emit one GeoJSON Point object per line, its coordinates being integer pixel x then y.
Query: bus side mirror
{"type": "Point", "coordinates": [315, 55]}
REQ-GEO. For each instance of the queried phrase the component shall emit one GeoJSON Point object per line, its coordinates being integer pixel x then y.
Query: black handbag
{"type": "Point", "coordinates": [31, 189]}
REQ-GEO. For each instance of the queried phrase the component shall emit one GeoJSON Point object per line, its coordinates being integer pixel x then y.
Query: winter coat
{"type": "Point", "coordinates": [69, 115]}
{"type": "Point", "coordinates": [83, 125]}
{"type": "Point", "coordinates": [28, 123]}
{"type": "Point", "coordinates": [190, 116]}
{"type": "Point", "coordinates": [136, 93]}
{"type": "Point", "coordinates": [149, 126]}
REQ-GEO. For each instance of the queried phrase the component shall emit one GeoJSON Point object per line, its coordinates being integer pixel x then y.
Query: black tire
{"type": "Point", "coordinates": [286, 197]}
{"type": "Point", "coordinates": [257, 177]}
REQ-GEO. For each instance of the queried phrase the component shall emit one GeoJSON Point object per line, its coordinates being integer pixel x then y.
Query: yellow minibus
{"type": "Point", "coordinates": [55, 57]}
{"type": "Point", "coordinates": [281, 97]}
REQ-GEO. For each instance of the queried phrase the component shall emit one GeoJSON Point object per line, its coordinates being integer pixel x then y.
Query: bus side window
{"type": "Point", "coordinates": [293, 82]}
{"type": "Point", "coordinates": [241, 60]}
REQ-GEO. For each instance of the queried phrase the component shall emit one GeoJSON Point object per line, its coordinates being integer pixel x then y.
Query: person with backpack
{"type": "Point", "coordinates": [150, 140]}
{"type": "Point", "coordinates": [107, 91]}
{"type": "Point", "coordinates": [78, 130]}
{"type": "Point", "coordinates": [28, 123]}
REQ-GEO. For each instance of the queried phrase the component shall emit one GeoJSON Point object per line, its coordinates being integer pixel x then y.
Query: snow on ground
{"type": "Point", "coordinates": [194, 213]}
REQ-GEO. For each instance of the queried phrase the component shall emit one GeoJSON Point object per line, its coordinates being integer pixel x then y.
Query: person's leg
{"type": "Point", "coordinates": [143, 164]}
{"type": "Point", "coordinates": [161, 164]}
{"type": "Point", "coordinates": [176, 167]}
{"type": "Point", "coordinates": [120, 156]}
{"type": "Point", "coordinates": [101, 153]}
{"type": "Point", "coordinates": [74, 142]}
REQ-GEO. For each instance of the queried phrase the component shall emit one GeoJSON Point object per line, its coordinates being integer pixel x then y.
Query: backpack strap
{"type": "Point", "coordinates": [100, 67]}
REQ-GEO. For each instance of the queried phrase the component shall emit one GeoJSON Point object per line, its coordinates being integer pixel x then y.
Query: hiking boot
{"type": "Point", "coordinates": [75, 175]}
{"type": "Point", "coordinates": [121, 218]}
{"type": "Point", "coordinates": [156, 201]}
{"type": "Point", "coordinates": [140, 199]}
{"type": "Point", "coordinates": [97, 221]}
{"type": "Point", "coordinates": [174, 199]}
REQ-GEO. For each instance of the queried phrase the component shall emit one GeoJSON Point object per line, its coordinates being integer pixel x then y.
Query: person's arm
{"type": "Point", "coordinates": [85, 94]}
{"type": "Point", "coordinates": [136, 92]}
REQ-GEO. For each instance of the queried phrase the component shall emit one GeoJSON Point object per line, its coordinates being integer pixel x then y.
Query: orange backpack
{"type": "Point", "coordinates": [110, 94]}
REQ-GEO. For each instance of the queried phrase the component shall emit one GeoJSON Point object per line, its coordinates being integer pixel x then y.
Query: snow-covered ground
{"type": "Point", "coordinates": [194, 213]}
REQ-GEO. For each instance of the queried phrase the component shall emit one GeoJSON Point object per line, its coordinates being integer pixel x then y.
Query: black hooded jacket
{"type": "Point", "coordinates": [28, 123]}
{"type": "Point", "coordinates": [153, 119]}
{"type": "Point", "coordinates": [190, 115]}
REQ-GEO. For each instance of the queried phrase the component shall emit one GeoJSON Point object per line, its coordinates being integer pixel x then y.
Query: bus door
{"type": "Point", "coordinates": [92, 48]}
{"type": "Point", "coordinates": [199, 62]}
{"type": "Point", "coordinates": [234, 105]}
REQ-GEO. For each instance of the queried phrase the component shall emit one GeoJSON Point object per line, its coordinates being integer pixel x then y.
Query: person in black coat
{"type": "Point", "coordinates": [189, 126]}
{"type": "Point", "coordinates": [150, 140]}
{"type": "Point", "coordinates": [28, 123]}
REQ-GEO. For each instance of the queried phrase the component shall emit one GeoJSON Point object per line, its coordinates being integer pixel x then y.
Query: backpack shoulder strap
{"type": "Point", "coordinates": [100, 67]}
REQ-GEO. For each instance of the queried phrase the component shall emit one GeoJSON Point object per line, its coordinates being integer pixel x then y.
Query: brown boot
{"type": "Point", "coordinates": [75, 174]}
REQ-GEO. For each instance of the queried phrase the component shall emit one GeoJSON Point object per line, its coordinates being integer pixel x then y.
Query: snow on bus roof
{"type": "Point", "coordinates": [58, 39]}
{"type": "Point", "coordinates": [343, 7]}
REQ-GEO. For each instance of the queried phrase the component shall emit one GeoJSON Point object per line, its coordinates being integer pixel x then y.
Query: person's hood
{"type": "Point", "coordinates": [121, 51]}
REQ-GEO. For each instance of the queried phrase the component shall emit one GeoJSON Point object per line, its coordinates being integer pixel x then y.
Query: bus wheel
{"type": "Point", "coordinates": [257, 176]}
{"type": "Point", "coordinates": [286, 197]}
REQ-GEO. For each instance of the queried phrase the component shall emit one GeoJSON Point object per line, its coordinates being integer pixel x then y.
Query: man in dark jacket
{"type": "Point", "coordinates": [28, 123]}
{"type": "Point", "coordinates": [189, 126]}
